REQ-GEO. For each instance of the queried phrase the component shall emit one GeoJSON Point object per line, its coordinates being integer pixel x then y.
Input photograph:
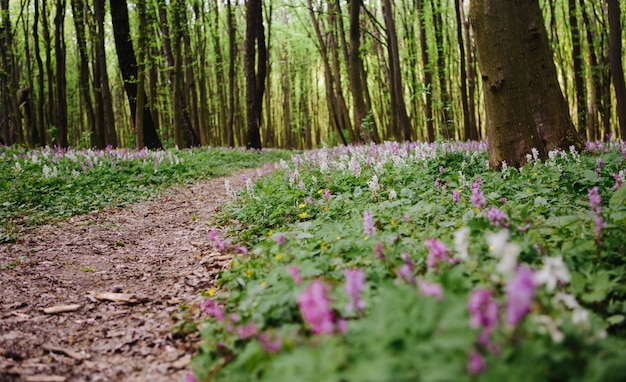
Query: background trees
{"type": "Point", "coordinates": [337, 72]}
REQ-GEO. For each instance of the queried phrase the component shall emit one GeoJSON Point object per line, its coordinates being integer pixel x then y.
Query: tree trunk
{"type": "Point", "coordinates": [105, 120]}
{"type": "Point", "coordinates": [255, 69]}
{"type": "Point", "coordinates": [428, 77]}
{"type": "Point", "coordinates": [511, 129]}
{"type": "Point", "coordinates": [464, 96]}
{"type": "Point", "coordinates": [128, 67]}
{"type": "Point", "coordinates": [471, 78]}
{"type": "Point", "coordinates": [577, 61]}
{"type": "Point", "coordinates": [60, 77]}
{"type": "Point", "coordinates": [550, 109]}
{"type": "Point", "coordinates": [615, 59]}
{"type": "Point", "coordinates": [230, 134]}
{"type": "Point", "coordinates": [444, 98]}
{"type": "Point", "coordinates": [83, 68]}
{"type": "Point", "coordinates": [141, 57]}
{"type": "Point", "coordinates": [41, 121]}
{"type": "Point", "coordinates": [356, 65]}
{"type": "Point", "coordinates": [397, 88]}
{"type": "Point", "coordinates": [10, 122]}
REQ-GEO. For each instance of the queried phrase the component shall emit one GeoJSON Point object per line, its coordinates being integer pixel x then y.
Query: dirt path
{"type": "Point", "coordinates": [155, 255]}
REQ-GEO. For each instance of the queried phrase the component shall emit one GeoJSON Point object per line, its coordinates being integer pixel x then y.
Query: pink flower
{"type": "Point", "coordinates": [269, 345]}
{"type": "Point", "coordinates": [295, 274]}
{"type": "Point", "coordinates": [368, 224]}
{"type": "Point", "coordinates": [497, 217]}
{"type": "Point", "coordinates": [455, 196]}
{"type": "Point", "coordinates": [483, 313]}
{"type": "Point", "coordinates": [279, 239]}
{"type": "Point", "coordinates": [478, 199]}
{"type": "Point", "coordinates": [476, 363]}
{"type": "Point", "coordinates": [379, 251]}
{"type": "Point", "coordinates": [355, 281]}
{"type": "Point", "coordinates": [437, 252]}
{"type": "Point", "coordinates": [212, 308]}
{"type": "Point", "coordinates": [520, 292]}
{"type": "Point", "coordinates": [428, 289]}
{"type": "Point", "coordinates": [315, 308]}
{"type": "Point", "coordinates": [190, 378]}
{"type": "Point", "coordinates": [247, 331]}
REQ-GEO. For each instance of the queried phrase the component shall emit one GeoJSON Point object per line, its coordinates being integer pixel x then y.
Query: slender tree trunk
{"type": "Point", "coordinates": [60, 77]}
{"type": "Point", "coordinates": [141, 48]}
{"type": "Point", "coordinates": [10, 121]}
{"type": "Point", "coordinates": [83, 68]}
{"type": "Point", "coordinates": [511, 128]}
{"type": "Point", "coordinates": [105, 123]}
{"type": "Point", "coordinates": [615, 59]}
{"type": "Point", "coordinates": [444, 98]}
{"type": "Point", "coordinates": [594, 103]}
{"type": "Point", "coordinates": [471, 78]}
{"type": "Point", "coordinates": [428, 77]}
{"type": "Point", "coordinates": [128, 67]}
{"type": "Point", "coordinates": [356, 66]}
{"type": "Point", "coordinates": [467, 128]}
{"type": "Point", "coordinates": [41, 121]}
{"type": "Point", "coordinates": [232, 54]}
{"type": "Point", "coordinates": [577, 60]}
{"type": "Point", "coordinates": [256, 69]}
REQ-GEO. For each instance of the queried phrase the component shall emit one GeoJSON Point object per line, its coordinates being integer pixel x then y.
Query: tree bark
{"type": "Point", "coordinates": [615, 59]}
{"type": "Point", "coordinates": [577, 61]}
{"type": "Point", "coordinates": [444, 97]}
{"type": "Point", "coordinates": [106, 134]}
{"type": "Point", "coordinates": [428, 76]}
{"type": "Point", "coordinates": [467, 127]}
{"type": "Point", "coordinates": [511, 129]}
{"type": "Point", "coordinates": [60, 77]}
{"type": "Point", "coordinates": [128, 67]}
{"type": "Point", "coordinates": [255, 69]}
{"type": "Point", "coordinates": [232, 56]}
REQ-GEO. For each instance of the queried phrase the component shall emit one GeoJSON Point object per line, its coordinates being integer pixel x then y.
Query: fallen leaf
{"type": "Point", "coordinates": [68, 352]}
{"type": "Point", "coordinates": [62, 309]}
{"type": "Point", "coordinates": [125, 298]}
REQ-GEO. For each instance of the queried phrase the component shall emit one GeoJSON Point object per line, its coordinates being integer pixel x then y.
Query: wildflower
{"type": "Point", "coordinates": [428, 289]}
{"type": "Point", "coordinates": [327, 195]}
{"type": "Point", "coordinates": [502, 200]}
{"type": "Point", "coordinates": [379, 251]}
{"type": "Point", "coordinates": [303, 215]}
{"type": "Point", "coordinates": [497, 217]}
{"type": "Point", "coordinates": [190, 378]}
{"type": "Point", "coordinates": [392, 194]}
{"type": "Point", "coordinates": [279, 239]}
{"type": "Point", "coordinates": [295, 274]}
{"type": "Point", "coordinates": [315, 308]}
{"type": "Point", "coordinates": [405, 272]}
{"type": "Point", "coordinates": [478, 199]}
{"type": "Point", "coordinates": [368, 224]}
{"type": "Point", "coordinates": [483, 313]}
{"type": "Point", "coordinates": [456, 196]}
{"type": "Point", "coordinates": [553, 270]}
{"type": "Point", "coordinates": [476, 363]}
{"type": "Point", "coordinates": [520, 292]}
{"type": "Point", "coordinates": [437, 182]}
{"type": "Point", "coordinates": [355, 281]}
{"type": "Point", "coordinates": [594, 200]}
{"type": "Point", "coordinates": [212, 308]}
{"type": "Point", "coordinates": [437, 252]}
{"type": "Point", "coordinates": [220, 245]}
{"type": "Point", "coordinates": [373, 184]}
{"type": "Point", "coordinates": [247, 331]}
{"type": "Point", "coordinates": [269, 345]}
{"type": "Point", "coordinates": [441, 170]}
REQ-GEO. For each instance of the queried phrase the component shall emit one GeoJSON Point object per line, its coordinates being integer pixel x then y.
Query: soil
{"type": "Point", "coordinates": [125, 275]}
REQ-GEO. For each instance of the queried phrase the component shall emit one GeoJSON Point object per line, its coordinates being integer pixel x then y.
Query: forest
{"type": "Point", "coordinates": [159, 73]}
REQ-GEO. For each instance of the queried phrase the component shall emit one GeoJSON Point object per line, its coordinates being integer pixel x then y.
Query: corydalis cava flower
{"type": "Point", "coordinates": [355, 282]}
{"type": "Point", "coordinates": [437, 252]}
{"type": "Point", "coordinates": [520, 292]}
{"type": "Point", "coordinates": [315, 308]}
{"type": "Point", "coordinates": [483, 312]}
{"type": "Point", "coordinates": [368, 224]}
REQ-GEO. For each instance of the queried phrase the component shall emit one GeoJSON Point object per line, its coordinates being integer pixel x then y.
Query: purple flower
{"type": "Point", "coordinates": [220, 245]}
{"type": "Point", "coordinates": [441, 170]}
{"type": "Point", "coordinates": [437, 252]}
{"type": "Point", "coordinates": [520, 292]}
{"type": "Point", "coordinates": [315, 308]}
{"type": "Point", "coordinates": [428, 289]}
{"type": "Point", "coordinates": [368, 224]}
{"type": "Point", "coordinates": [295, 274]}
{"type": "Point", "coordinates": [476, 363]}
{"type": "Point", "coordinates": [456, 196]}
{"type": "Point", "coordinates": [483, 313]}
{"type": "Point", "coordinates": [327, 195]}
{"type": "Point", "coordinates": [279, 239]}
{"type": "Point", "coordinates": [599, 225]}
{"type": "Point", "coordinates": [247, 331]}
{"type": "Point", "coordinates": [497, 217]}
{"type": "Point", "coordinates": [355, 281]}
{"type": "Point", "coordinates": [212, 308]}
{"type": "Point", "coordinates": [502, 200]}
{"type": "Point", "coordinates": [269, 345]}
{"type": "Point", "coordinates": [437, 182]}
{"type": "Point", "coordinates": [478, 199]}
{"type": "Point", "coordinates": [379, 251]}
{"type": "Point", "coordinates": [190, 378]}
{"type": "Point", "coordinates": [594, 200]}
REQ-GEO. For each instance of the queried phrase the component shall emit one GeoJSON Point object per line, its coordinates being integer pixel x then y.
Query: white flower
{"type": "Point", "coordinates": [497, 242]}
{"type": "Point", "coordinates": [373, 184]}
{"type": "Point", "coordinates": [392, 194]}
{"type": "Point", "coordinates": [546, 323]}
{"type": "Point", "coordinates": [553, 270]}
{"type": "Point", "coordinates": [508, 261]}
{"type": "Point", "coordinates": [461, 243]}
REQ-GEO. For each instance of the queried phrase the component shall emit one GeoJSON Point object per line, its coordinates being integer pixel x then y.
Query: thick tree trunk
{"type": "Point", "coordinates": [256, 69]}
{"type": "Point", "coordinates": [128, 67]}
{"type": "Point", "coordinates": [550, 109]}
{"type": "Point", "coordinates": [615, 59]}
{"type": "Point", "coordinates": [356, 65]}
{"type": "Point", "coordinates": [511, 129]}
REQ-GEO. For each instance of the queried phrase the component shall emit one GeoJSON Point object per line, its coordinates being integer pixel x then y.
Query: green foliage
{"type": "Point", "coordinates": [310, 215]}
{"type": "Point", "coordinates": [39, 185]}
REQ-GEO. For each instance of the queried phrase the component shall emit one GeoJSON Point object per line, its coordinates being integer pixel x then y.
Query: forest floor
{"type": "Point", "coordinates": [127, 272]}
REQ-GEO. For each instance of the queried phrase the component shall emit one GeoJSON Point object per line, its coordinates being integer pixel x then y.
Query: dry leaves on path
{"type": "Point", "coordinates": [94, 298]}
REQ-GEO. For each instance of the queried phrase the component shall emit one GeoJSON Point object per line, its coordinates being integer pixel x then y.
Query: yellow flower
{"type": "Point", "coordinates": [477, 210]}
{"type": "Point", "coordinates": [301, 205]}
{"type": "Point", "coordinates": [235, 263]}
{"type": "Point", "coordinates": [263, 283]}
{"type": "Point", "coordinates": [303, 215]}
{"type": "Point", "coordinates": [534, 174]}
{"type": "Point", "coordinates": [322, 244]}
{"type": "Point", "coordinates": [393, 223]}
{"type": "Point", "coordinates": [460, 191]}
{"type": "Point", "coordinates": [338, 238]}
{"type": "Point", "coordinates": [320, 191]}
{"type": "Point", "coordinates": [211, 292]}
{"type": "Point", "coordinates": [279, 257]}
{"type": "Point", "coordinates": [528, 191]}
{"type": "Point", "coordinates": [249, 273]}
{"type": "Point", "coordinates": [366, 238]}
{"type": "Point", "coordinates": [270, 233]}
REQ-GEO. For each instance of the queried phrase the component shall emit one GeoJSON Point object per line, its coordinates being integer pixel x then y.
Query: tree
{"type": "Point", "coordinates": [128, 67]}
{"type": "Point", "coordinates": [519, 83]}
{"type": "Point", "coordinates": [255, 69]}
{"type": "Point", "coordinates": [615, 59]}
